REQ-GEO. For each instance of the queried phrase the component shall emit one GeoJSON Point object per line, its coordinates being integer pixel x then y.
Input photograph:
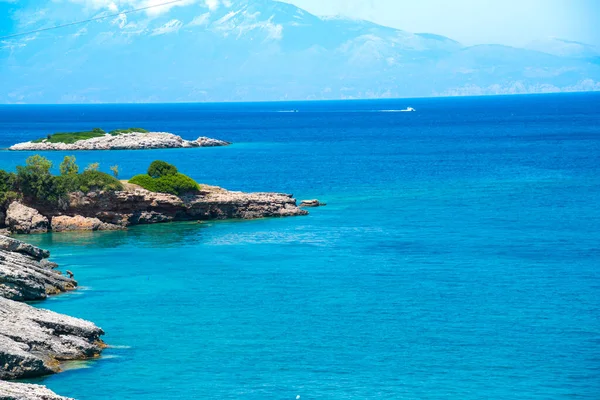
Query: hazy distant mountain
{"type": "Point", "coordinates": [266, 50]}
{"type": "Point", "coordinates": [566, 48]}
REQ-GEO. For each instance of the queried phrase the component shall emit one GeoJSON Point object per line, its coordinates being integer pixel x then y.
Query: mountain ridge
{"type": "Point", "coordinates": [269, 50]}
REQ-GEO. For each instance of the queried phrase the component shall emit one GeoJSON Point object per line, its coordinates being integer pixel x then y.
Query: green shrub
{"type": "Point", "coordinates": [71, 137]}
{"type": "Point", "coordinates": [160, 168]}
{"type": "Point", "coordinates": [91, 181]}
{"type": "Point", "coordinates": [177, 184]}
{"type": "Point", "coordinates": [117, 132]}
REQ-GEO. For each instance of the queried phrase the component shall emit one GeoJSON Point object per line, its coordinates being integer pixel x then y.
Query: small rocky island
{"type": "Point", "coordinates": [119, 139]}
{"type": "Point", "coordinates": [33, 341]}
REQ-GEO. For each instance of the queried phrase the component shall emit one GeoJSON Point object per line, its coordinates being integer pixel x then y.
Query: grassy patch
{"type": "Point", "coordinates": [177, 184]}
{"type": "Point", "coordinates": [72, 137]}
{"type": "Point", "coordinates": [117, 132]}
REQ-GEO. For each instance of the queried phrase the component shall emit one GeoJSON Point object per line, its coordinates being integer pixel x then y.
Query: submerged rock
{"type": "Point", "coordinates": [25, 391]}
{"type": "Point", "coordinates": [33, 341]}
{"type": "Point", "coordinates": [128, 141]}
{"type": "Point", "coordinates": [23, 219]}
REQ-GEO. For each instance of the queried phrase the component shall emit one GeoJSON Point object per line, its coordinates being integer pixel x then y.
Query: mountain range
{"type": "Point", "coordinates": [254, 50]}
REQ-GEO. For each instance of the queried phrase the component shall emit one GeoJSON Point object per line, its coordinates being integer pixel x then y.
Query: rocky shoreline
{"type": "Point", "coordinates": [34, 342]}
{"type": "Point", "coordinates": [135, 206]}
{"type": "Point", "coordinates": [129, 141]}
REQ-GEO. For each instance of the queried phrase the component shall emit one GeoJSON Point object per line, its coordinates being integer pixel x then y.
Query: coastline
{"type": "Point", "coordinates": [108, 210]}
{"type": "Point", "coordinates": [34, 341]}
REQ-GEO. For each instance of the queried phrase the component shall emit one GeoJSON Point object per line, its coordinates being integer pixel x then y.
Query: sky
{"type": "Point", "coordinates": [508, 22]}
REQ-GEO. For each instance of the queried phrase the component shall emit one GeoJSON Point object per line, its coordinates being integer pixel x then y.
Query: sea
{"type": "Point", "coordinates": [458, 256]}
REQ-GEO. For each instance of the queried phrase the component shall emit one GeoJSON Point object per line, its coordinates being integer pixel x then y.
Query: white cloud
{"type": "Point", "coordinates": [81, 32]}
{"type": "Point", "coordinates": [126, 5]}
{"type": "Point", "coordinates": [200, 20]}
{"type": "Point", "coordinates": [172, 26]}
{"type": "Point", "coordinates": [212, 4]}
{"type": "Point", "coordinates": [121, 20]}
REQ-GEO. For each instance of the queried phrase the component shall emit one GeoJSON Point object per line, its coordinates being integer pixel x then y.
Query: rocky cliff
{"type": "Point", "coordinates": [33, 341]}
{"type": "Point", "coordinates": [134, 206]}
{"type": "Point", "coordinates": [128, 141]}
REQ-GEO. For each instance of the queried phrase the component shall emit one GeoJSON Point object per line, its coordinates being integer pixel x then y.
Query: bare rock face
{"type": "Point", "coordinates": [9, 244]}
{"type": "Point", "coordinates": [25, 275]}
{"type": "Point", "coordinates": [312, 203]}
{"type": "Point", "coordinates": [64, 223]}
{"type": "Point", "coordinates": [204, 141]}
{"type": "Point", "coordinates": [34, 341]}
{"type": "Point", "coordinates": [128, 141]}
{"type": "Point", "coordinates": [23, 219]}
{"type": "Point", "coordinates": [24, 391]}
{"type": "Point", "coordinates": [139, 206]}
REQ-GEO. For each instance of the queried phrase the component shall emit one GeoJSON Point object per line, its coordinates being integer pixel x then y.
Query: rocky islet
{"type": "Point", "coordinates": [128, 141]}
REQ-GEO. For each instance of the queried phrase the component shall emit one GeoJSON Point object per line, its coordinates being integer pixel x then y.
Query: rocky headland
{"type": "Point", "coordinates": [33, 341]}
{"type": "Point", "coordinates": [129, 141]}
{"type": "Point", "coordinates": [112, 210]}
{"type": "Point", "coordinates": [23, 391]}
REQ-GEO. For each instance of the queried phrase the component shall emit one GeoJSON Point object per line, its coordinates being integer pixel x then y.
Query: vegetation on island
{"type": "Point", "coordinates": [34, 182]}
{"type": "Point", "coordinates": [72, 137]}
{"type": "Point", "coordinates": [163, 177]}
{"type": "Point", "coordinates": [117, 132]}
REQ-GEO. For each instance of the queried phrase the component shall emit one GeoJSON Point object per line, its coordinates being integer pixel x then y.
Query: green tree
{"type": "Point", "coordinates": [68, 166]}
{"type": "Point", "coordinates": [115, 171]}
{"type": "Point", "coordinates": [38, 164]}
{"type": "Point", "coordinates": [37, 184]}
{"type": "Point", "coordinates": [93, 167]}
{"type": "Point", "coordinates": [7, 188]}
{"type": "Point", "coordinates": [160, 168]}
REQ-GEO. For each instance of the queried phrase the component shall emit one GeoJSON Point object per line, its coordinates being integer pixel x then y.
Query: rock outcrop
{"type": "Point", "coordinates": [34, 341]}
{"type": "Point", "coordinates": [24, 391]}
{"type": "Point", "coordinates": [26, 275]}
{"type": "Point", "coordinates": [135, 206]}
{"type": "Point", "coordinates": [127, 141]}
{"type": "Point", "coordinates": [23, 219]}
{"type": "Point", "coordinates": [65, 223]}
{"type": "Point", "coordinates": [312, 203]}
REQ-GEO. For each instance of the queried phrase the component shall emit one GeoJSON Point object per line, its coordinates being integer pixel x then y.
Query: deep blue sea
{"type": "Point", "coordinates": [458, 256]}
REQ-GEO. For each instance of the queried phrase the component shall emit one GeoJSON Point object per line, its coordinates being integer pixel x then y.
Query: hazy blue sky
{"type": "Point", "coordinates": [512, 22]}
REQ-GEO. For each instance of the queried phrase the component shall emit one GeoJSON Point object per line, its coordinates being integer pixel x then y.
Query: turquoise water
{"type": "Point", "coordinates": [458, 256]}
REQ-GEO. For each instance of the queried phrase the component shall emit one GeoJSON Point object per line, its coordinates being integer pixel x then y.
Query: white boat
{"type": "Point", "coordinates": [408, 109]}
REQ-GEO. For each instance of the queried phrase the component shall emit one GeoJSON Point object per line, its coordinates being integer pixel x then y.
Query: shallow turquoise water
{"type": "Point", "coordinates": [458, 256]}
